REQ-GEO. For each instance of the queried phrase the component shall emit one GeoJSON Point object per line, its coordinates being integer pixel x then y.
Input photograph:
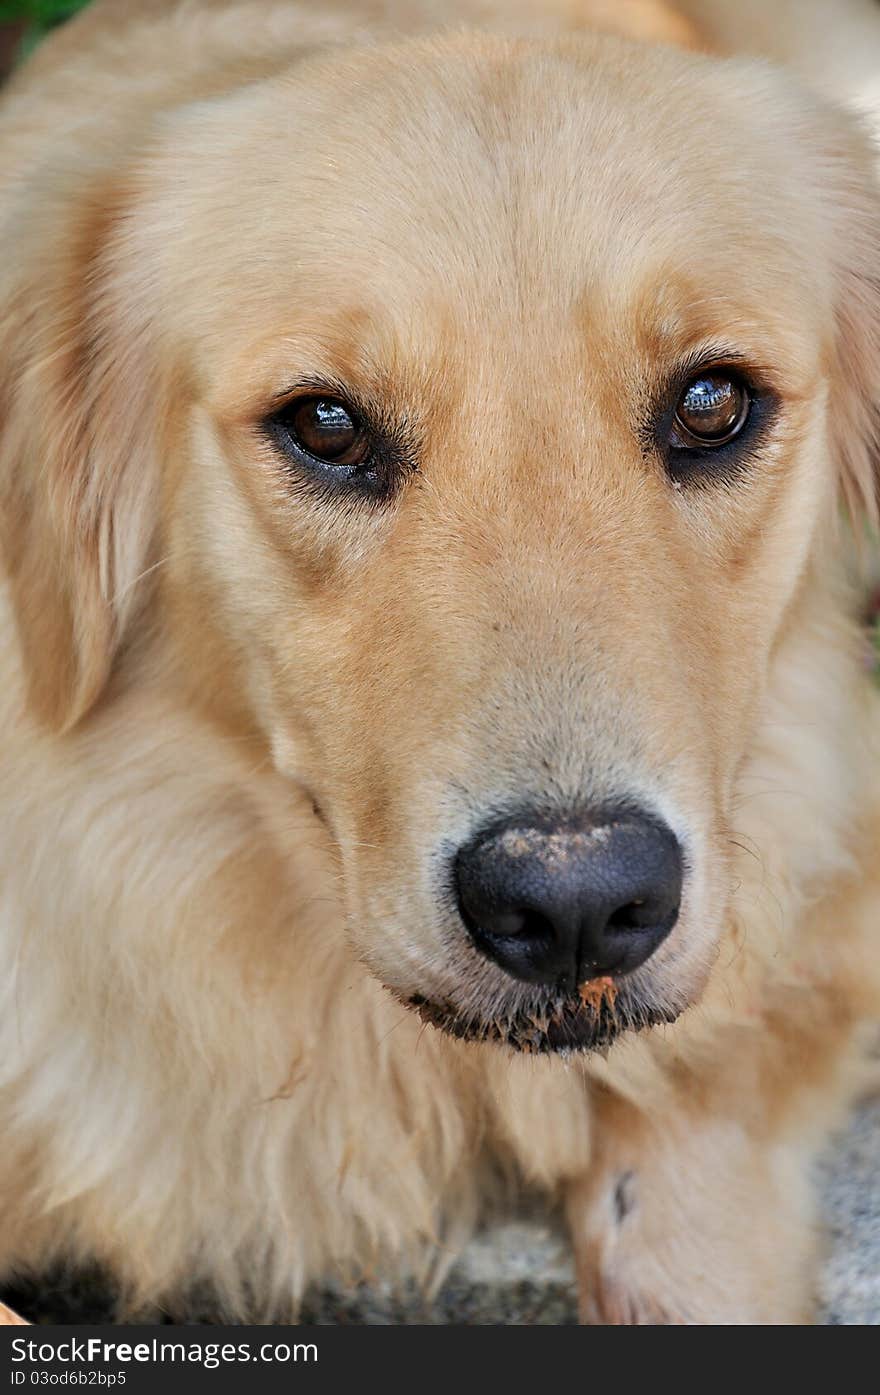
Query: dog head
{"type": "Point", "coordinates": [479, 406]}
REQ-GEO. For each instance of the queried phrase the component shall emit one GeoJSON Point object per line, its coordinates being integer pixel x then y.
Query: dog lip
{"type": "Point", "coordinates": [566, 1026]}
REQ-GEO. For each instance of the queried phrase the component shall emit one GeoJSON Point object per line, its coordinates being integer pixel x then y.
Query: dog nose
{"type": "Point", "coordinates": [565, 901]}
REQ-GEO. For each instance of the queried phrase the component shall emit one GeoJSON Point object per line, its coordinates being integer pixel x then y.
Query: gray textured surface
{"type": "Point", "coordinates": [851, 1189]}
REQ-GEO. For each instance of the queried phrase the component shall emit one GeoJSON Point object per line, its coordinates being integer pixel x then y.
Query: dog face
{"type": "Point", "coordinates": [484, 405]}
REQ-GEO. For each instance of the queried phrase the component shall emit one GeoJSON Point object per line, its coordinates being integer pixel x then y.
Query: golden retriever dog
{"type": "Point", "coordinates": [438, 752]}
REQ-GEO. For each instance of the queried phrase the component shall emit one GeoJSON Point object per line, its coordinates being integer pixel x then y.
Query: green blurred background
{"type": "Point", "coordinates": [38, 15]}
{"type": "Point", "coordinates": [24, 22]}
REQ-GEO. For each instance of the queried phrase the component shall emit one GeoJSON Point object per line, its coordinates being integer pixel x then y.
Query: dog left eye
{"type": "Point", "coordinates": [712, 410]}
{"type": "Point", "coordinates": [327, 429]}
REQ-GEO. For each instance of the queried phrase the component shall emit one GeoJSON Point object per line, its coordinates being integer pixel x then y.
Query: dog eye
{"type": "Point", "coordinates": [327, 429]}
{"type": "Point", "coordinates": [712, 409]}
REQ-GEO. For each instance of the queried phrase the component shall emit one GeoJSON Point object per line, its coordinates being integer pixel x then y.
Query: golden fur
{"type": "Point", "coordinates": [238, 723]}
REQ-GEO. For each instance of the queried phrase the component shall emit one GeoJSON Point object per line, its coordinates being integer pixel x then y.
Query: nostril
{"type": "Point", "coordinates": [525, 943]}
{"type": "Point", "coordinates": [506, 924]}
{"type": "Point", "coordinates": [627, 918]}
{"type": "Point", "coordinates": [635, 915]}
{"type": "Point", "coordinates": [536, 927]}
{"type": "Point", "coordinates": [524, 924]}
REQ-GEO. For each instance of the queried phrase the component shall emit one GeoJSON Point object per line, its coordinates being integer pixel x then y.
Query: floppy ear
{"type": "Point", "coordinates": [77, 459]}
{"type": "Point", "coordinates": [853, 196]}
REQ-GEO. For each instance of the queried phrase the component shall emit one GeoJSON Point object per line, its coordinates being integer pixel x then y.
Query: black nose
{"type": "Point", "coordinates": [565, 901]}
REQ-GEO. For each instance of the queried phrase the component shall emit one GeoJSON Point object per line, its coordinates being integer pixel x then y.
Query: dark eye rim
{"type": "Point", "coordinates": [392, 445]}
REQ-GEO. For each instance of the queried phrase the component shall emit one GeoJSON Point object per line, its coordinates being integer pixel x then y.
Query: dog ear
{"type": "Point", "coordinates": [852, 193]}
{"type": "Point", "coordinates": [77, 477]}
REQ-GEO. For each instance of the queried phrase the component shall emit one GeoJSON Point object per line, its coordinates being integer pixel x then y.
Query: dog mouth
{"type": "Point", "coordinates": [590, 1020]}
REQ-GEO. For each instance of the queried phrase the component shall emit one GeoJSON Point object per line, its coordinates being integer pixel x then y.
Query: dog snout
{"type": "Point", "coordinates": [563, 902]}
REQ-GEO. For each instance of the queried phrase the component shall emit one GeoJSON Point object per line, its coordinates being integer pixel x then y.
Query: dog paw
{"type": "Point", "coordinates": [693, 1227]}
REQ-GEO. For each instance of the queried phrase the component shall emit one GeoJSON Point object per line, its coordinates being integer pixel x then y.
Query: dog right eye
{"type": "Point", "coordinates": [340, 449]}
